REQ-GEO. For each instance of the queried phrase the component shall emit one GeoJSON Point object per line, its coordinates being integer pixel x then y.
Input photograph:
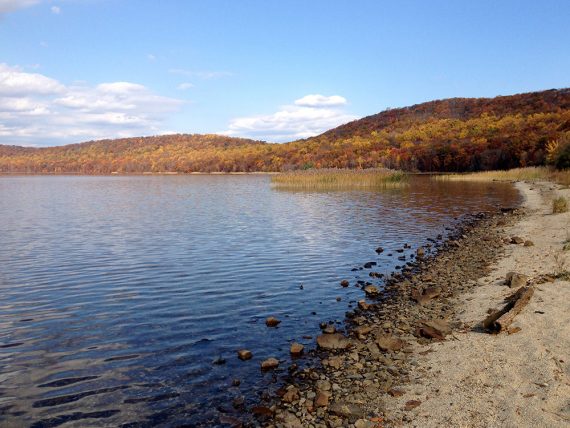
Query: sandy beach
{"type": "Point", "coordinates": [475, 379]}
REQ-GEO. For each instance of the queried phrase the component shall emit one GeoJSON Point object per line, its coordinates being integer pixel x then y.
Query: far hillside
{"type": "Point", "coordinates": [452, 135]}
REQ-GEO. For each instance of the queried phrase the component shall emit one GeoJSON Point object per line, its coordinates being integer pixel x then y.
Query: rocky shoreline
{"type": "Point", "coordinates": [354, 372]}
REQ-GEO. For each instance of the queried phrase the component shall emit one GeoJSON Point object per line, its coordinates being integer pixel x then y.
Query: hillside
{"type": "Point", "coordinates": [458, 134]}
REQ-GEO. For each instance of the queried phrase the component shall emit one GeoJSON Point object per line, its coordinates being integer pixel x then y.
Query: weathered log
{"type": "Point", "coordinates": [504, 321]}
{"type": "Point", "coordinates": [499, 320]}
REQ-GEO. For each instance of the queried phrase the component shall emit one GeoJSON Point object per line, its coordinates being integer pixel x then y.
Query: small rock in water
{"type": "Point", "coordinates": [420, 252]}
{"type": "Point", "coordinates": [329, 329]}
{"type": "Point", "coordinates": [269, 364]}
{"type": "Point", "coordinates": [338, 299]}
{"type": "Point", "coordinates": [219, 361]}
{"type": "Point", "coordinates": [363, 305]}
{"type": "Point", "coordinates": [244, 354]}
{"type": "Point", "coordinates": [272, 322]}
{"type": "Point", "coordinates": [368, 265]}
{"type": "Point", "coordinates": [371, 290]}
{"type": "Point", "coordinates": [296, 349]}
{"type": "Point", "coordinates": [344, 283]}
{"type": "Point", "coordinates": [379, 250]}
{"type": "Point", "coordinates": [236, 382]}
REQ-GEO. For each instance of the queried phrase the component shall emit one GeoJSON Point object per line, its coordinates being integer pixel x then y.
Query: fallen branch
{"type": "Point", "coordinates": [499, 320]}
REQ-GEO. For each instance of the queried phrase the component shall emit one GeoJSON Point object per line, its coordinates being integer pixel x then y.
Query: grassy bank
{"type": "Point", "coordinates": [331, 179]}
{"type": "Point", "coordinates": [516, 174]}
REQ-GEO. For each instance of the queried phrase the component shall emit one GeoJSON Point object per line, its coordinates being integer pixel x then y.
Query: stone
{"type": "Point", "coordinates": [323, 385]}
{"type": "Point", "coordinates": [272, 322]}
{"type": "Point", "coordinates": [333, 341]}
{"type": "Point", "coordinates": [296, 349]}
{"type": "Point", "coordinates": [362, 331]}
{"type": "Point", "coordinates": [322, 399]}
{"type": "Point", "coordinates": [344, 283]}
{"type": "Point", "coordinates": [288, 420]}
{"type": "Point", "coordinates": [387, 342]}
{"type": "Point", "coordinates": [329, 329]}
{"type": "Point", "coordinates": [219, 361]}
{"type": "Point", "coordinates": [363, 423]}
{"type": "Point", "coordinates": [420, 252]}
{"type": "Point", "coordinates": [434, 329]}
{"type": "Point", "coordinates": [379, 250]}
{"type": "Point", "coordinates": [516, 280]}
{"type": "Point", "coordinates": [517, 240]}
{"type": "Point", "coordinates": [412, 404]}
{"type": "Point", "coordinates": [528, 243]}
{"type": "Point", "coordinates": [269, 364]}
{"type": "Point", "coordinates": [363, 305]}
{"type": "Point", "coordinates": [346, 410]}
{"type": "Point", "coordinates": [395, 392]}
{"type": "Point", "coordinates": [292, 394]}
{"type": "Point", "coordinates": [371, 290]}
{"type": "Point", "coordinates": [244, 354]}
{"type": "Point", "coordinates": [368, 265]}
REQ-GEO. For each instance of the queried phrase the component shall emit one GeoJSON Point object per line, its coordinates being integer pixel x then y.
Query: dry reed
{"type": "Point", "coordinates": [338, 179]}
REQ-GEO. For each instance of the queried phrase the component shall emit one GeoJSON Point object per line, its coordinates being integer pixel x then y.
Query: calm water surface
{"type": "Point", "coordinates": [118, 293]}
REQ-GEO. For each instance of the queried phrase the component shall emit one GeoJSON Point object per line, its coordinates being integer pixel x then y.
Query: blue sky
{"type": "Point", "coordinates": [75, 70]}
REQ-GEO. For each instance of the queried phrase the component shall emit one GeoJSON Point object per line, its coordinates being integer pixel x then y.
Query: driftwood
{"type": "Point", "coordinates": [499, 320]}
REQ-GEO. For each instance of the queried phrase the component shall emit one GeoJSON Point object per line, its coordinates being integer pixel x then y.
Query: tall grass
{"type": "Point", "coordinates": [339, 179]}
{"type": "Point", "coordinates": [534, 173]}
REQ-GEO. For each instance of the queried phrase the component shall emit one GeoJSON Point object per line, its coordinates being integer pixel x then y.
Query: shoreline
{"type": "Point", "coordinates": [410, 358]}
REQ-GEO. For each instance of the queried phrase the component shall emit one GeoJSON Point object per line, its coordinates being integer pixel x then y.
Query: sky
{"type": "Point", "coordinates": [275, 70]}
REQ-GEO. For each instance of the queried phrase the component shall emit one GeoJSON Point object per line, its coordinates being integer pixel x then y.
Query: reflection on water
{"type": "Point", "coordinates": [119, 293]}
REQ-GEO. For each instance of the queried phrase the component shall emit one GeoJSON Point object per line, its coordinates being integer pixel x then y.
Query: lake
{"type": "Point", "coordinates": [121, 296]}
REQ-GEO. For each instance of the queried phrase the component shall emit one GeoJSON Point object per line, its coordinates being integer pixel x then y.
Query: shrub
{"type": "Point", "coordinates": [559, 205]}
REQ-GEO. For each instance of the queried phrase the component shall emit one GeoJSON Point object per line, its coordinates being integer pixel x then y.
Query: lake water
{"type": "Point", "coordinates": [118, 293]}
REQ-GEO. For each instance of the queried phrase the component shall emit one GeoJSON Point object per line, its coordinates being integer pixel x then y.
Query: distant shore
{"type": "Point", "coordinates": [419, 356]}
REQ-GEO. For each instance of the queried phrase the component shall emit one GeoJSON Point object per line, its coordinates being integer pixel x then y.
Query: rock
{"type": "Point", "coordinates": [262, 411]}
{"type": "Point", "coordinates": [387, 342]}
{"type": "Point", "coordinates": [288, 420]}
{"type": "Point", "coordinates": [528, 243]}
{"type": "Point", "coordinates": [323, 385]}
{"type": "Point", "coordinates": [346, 410]}
{"type": "Point", "coordinates": [363, 305]}
{"type": "Point", "coordinates": [371, 290]}
{"type": "Point", "coordinates": [517, 240]}
{"type": "Point", "coordinates": [420, 252]}
{"type": "Point", "coordinates": [269, 364]}
{"type": "Point", "coordinates": [345, 283]}
{"type": "Point", "coordinates": [363, 423]}
{"type": "Point", "coordinates": [379, 250]}
{"type": "Point", "coordinates": [291, 395]}
{"type": "Point", "coordinates": [219, 361]}
{"type": "Point", "coordinates": [244, 354]}
{"type": "Point", "coordinates": [368, 265]}
{"type": "Point", "coordinates": [362, 331]}
{"type": "Point", "coordinates": [395, 392]}
{"type": "Point", "coordinates": [434, 329]}
{"type": "Point", "coordinates": [227, 420]}
{"type": "Point", "coordinates": [333, 341]}
{"type": "Point", "coordinates": [322, 399]}
{"type": "Point", "coordinates": [296, 349]}
{"type": "Point", "coordinates": [329, 329]}
{"type": "Point", "coordinates": [236, 382]}
{"type": "Point", "coordinates": [412, 404]}
{"type": "Point", "coordinates": [272, 322]}
{"type": "Point", "coordinates": [516, 280]}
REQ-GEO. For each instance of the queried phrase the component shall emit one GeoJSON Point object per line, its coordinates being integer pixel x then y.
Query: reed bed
{"type": "Point", "coordinates": [535, 173]}
{"type": "Point", "coordinates": [340, 179]}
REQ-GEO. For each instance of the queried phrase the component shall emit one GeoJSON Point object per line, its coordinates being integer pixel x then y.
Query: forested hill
{"type": "Point", "coordinates": [458, 134]}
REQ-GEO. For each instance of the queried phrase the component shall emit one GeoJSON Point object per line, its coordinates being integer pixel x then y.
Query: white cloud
{"type": "Point", "coordinates": [205, 75]}
{"type": "Point", "coordinates": [56, 10]}
{"type": "Point", "coordinates": [184, 86]}
{"type": "Point", "coordinates": [311, 115]}
{"type": "Point", "coordinates": [38, 110]}
{"type": "Point", "coordinates": [14, 82]}
{"type": "Point", "coordinates": [151, 57]}
{"type": "Point", "coordinates": [7, 6]}
{"type": "Point", "coordinates": [317, 100]}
